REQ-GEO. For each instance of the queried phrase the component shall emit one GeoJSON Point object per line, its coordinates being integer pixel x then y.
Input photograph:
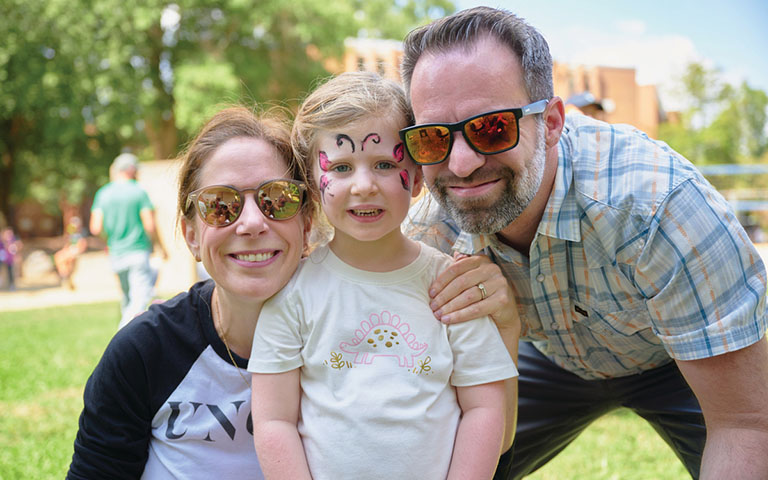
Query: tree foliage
{"type": "Point", "coordinates": [723, 123]}
{"type": "Point", "coordinates": [84, 79]}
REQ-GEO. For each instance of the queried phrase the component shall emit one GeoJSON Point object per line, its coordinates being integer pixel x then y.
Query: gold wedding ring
{"type": "Point", "coordinates": [482, 290]}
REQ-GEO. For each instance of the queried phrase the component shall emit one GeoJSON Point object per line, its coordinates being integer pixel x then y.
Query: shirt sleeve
{"type": "Point", "coordinates": [277, 341]}
{"type": "Point", "coordinates": [115, 424]}
{"type": "Point", "coordinates": [479, 354]}
{"type": "Point", "coordinates": [145, 202]}
{"type": "Point", "coordinates": [97, 200]}
{"type": "Point", "coordinates": [705, 281]}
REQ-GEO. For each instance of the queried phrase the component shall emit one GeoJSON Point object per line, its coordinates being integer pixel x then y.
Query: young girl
{"type": "Point", "coordinates": [353, 376]}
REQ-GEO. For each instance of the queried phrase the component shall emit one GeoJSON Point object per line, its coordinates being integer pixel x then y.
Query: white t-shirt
{"type": "Point", "coordinates": [378, 371]}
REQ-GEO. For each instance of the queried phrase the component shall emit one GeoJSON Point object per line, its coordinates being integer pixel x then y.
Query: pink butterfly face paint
{"type": "Point", "coordinates": [405, 180]}
{"type": "Point", "coordinates": [324, 182]}
{"type": "Point", "coordinates": [398, 152]}
{"type": "Point", "coordinates": [323, 159]}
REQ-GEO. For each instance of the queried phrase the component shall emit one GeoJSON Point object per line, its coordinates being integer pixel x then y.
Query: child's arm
{"type": "Point", "coordinates": [481, 428]}
{"type": "Point", "coordinates": [510, 335]}
{"type": "Point", "coordinates": [275, 399]}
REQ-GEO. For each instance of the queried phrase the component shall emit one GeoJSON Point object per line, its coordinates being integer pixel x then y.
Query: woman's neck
{"type": "Point", "coordinates": [386, 254]}
{"type": "Point", "coordinates": [235, 321]}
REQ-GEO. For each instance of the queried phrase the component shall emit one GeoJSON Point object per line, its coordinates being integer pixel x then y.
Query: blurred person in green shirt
{"type": "Point", "coordinates": [124, 215]}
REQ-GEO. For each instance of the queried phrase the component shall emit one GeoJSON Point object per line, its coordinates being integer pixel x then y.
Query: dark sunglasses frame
{"type": "Point", "coordinates": [192, 199]}
{"type": "Point", "coordinates": [530, 109]}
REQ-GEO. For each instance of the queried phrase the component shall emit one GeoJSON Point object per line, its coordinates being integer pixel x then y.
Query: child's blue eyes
{"type": "Point", "coordinates": [343, 168]}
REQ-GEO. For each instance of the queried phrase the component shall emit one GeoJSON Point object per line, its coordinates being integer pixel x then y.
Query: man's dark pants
{"type": "Point", "coordinates": [555, 406]}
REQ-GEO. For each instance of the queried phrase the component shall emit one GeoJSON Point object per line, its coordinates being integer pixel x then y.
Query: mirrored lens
{"type": "Point", "coordinates": [428, 144]}
{"type": "Point", "coordinates": [493, 132]}
{"type": "Point", "coordinates": [280, 200]}
{"type": "Point", "coordinates": [219, 206]}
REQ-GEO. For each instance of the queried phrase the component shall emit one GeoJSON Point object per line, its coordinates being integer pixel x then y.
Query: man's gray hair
{"type": "Point", "coordinates": [464, 29]}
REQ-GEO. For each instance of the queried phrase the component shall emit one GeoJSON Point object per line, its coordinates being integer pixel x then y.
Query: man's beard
{"type": "Point", "coordinates": [474, 215]}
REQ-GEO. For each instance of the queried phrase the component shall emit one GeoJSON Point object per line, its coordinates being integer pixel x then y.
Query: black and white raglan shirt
{"type": "Point", "coordinates": [165, 401]}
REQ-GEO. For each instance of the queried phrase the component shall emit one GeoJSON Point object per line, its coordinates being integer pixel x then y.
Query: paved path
{"type": "Point", "coordinates": [95, 282]}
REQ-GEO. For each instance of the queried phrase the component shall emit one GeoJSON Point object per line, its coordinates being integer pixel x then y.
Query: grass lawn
{"type": "Point", "coordinates": [47, 355]}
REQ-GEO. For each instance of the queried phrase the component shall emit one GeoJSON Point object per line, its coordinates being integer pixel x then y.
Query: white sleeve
{"type": "Point", "coordinates": [479, 354]}
{"type": "Point", "coordinates": [277, 341]}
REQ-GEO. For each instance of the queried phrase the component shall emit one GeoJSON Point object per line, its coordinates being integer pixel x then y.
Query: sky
{"type": "Point", "coordinates": [656, 37]}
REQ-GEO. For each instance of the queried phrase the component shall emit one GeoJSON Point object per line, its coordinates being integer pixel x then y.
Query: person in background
{"type": "Point", "coordinates": [586, 104]}
{"type": "Point", "coordinates": [65, 259]}
{"type": "Point", "coordinates": [123, 213]}
{"type": "Point", "coordinates": [636, 285]}
{"type": "Point", "coordinates": [170, 397]}
{"type": "Point", "coordinates": [10, 255]}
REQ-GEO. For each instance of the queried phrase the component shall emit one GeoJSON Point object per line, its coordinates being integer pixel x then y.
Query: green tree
{"type": "Point", "coordinates": [722, 124]}
{"type": "Point", "coordinates": [83, 79]}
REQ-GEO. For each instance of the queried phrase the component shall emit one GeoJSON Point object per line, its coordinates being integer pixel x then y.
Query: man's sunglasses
{"type": "Point", "coordinates": [221, 205]}
{"type": "Point", "coordinates": [487, 133]}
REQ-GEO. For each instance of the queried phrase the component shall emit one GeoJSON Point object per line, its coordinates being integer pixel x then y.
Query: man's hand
{"type": "Point", "coordinates": [457, 298]}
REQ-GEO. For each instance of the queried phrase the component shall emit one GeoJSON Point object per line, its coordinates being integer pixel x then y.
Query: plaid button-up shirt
{"type": "Point", "coordinates": [637, 259]}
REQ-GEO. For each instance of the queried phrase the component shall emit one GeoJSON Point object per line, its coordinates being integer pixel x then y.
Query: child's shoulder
{"type": "Point", "coordinates": [437, 259]}
{"type": "Point", "coordinates": [432, 252]}
{"type": "Point", "coordinates": [306, 273]}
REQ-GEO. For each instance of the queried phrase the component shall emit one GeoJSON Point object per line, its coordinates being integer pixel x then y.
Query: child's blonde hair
{"type": "Point", "coordinates": [342, 101]}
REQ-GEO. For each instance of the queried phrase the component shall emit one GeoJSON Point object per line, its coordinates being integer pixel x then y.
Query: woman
{"type": "Point", "coordinates": [170, 397]}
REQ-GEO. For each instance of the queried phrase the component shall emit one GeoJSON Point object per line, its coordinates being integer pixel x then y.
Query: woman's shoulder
{"type": "Point", "coordinates": [155, 350]}
{"type": "Point", "coordinates": [166, 326]}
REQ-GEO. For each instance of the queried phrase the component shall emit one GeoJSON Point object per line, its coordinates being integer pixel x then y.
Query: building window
{"type": "Point", "coordinates": [381, 67]}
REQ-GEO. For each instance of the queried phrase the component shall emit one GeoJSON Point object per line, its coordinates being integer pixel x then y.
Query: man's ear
{"type": "Point", "coordinates": [191, 237]}
{"type": "Point", "coordinates": [418, 182]}
{"type": "Point", "coordinates": [554, 118]}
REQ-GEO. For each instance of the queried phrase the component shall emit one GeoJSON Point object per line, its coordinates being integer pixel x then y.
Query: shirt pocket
{"type": "Point", "coordinates": [620, 331]}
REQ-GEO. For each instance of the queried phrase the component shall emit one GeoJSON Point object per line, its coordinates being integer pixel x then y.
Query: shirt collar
{"type": "Point", "coordinates": [561, 215]}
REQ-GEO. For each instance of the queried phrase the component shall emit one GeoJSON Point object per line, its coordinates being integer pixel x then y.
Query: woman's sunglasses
{"type": "Point", "coordinates": [221, 205]}
{"type": "Point", "coordinates": [487, 133]}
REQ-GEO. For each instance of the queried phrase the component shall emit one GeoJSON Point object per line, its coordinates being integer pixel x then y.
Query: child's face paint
{"type": "Point", "coordinates": [341, 138]}
{"type": "Point", "coordinates": [374, 137]}
{"type": "Point", "coordinates": [323, 160]}
{"type": "Point", "coordinates": [398, 152]}
{"type": "Point", "coordinates": [405, 179]}
{"type": "Point", "coordinates": [365, 180]}
{"type": "Point", "coordinates": [324, 182]}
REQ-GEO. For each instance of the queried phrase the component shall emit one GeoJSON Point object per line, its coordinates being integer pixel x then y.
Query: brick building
{"type": "Point", "coordinates": [631, 103]}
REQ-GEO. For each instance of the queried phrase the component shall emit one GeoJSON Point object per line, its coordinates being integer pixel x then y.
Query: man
{"type": "Point", "coordinates": [123, 213]}
{"type": "Point", "coordinates": [627, 267]}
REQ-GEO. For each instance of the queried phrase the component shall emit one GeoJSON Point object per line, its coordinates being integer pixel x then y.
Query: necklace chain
{"type": "Point", "coordinates": [223, 336]}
